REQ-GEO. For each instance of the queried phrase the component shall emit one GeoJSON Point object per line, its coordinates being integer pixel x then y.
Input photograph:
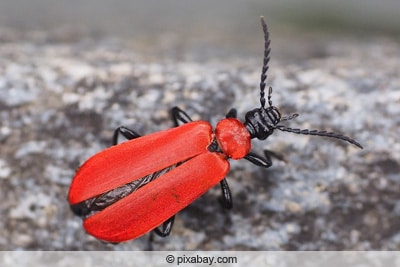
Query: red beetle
{"type": "Point", "coordinates": [134, 187]}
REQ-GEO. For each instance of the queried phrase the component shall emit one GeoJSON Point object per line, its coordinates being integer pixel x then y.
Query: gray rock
{"type": "Point", "coordinates": [60, 102]}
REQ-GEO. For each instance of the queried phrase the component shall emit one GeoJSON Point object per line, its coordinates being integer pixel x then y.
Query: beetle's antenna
{"type": "Point", "coordinates": [319, 133]}
{"type": "Point", "coordinates": [265, 67]}
{"type": "Point", "coordinates": [286, 118]}
{"type": "Point", "coordinates": [269, 96]}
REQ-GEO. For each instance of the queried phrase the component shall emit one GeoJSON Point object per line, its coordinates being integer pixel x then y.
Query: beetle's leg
{"type": "Point", "coordinates": [226, 198]}
{"type": "Point", "coordinates": [178, 115]}
{"type": "Point", "coordinates": [125, 132]}
{"type": "Point", "coordinates": [165, 231]}
{"type": "Point", "coordinates": [266, 161]}
{"type": "Point", "coordinates": [271, 154]}
{"type": "Point", "coordinates": [258, 160]}
{"type": "Point", "coordinates": [166, 227]}
{"type": "Point", "coordinates": [232, 113]}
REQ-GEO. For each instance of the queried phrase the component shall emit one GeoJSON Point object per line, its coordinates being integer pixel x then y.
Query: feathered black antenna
{"type": "Point", "coordinates": [290, 117]}
{"type": "Point", "coordinates": [265, 67]}
{"type": "Point", "coordinates": [319, 133]}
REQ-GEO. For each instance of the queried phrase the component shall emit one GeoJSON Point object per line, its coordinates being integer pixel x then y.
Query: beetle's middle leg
{"type": "Point", "coordinates": [125, 132]}
{"type": "Point", "coordinates": [226, 197]}
{"type": "Point", "coordinates": [166, 227]}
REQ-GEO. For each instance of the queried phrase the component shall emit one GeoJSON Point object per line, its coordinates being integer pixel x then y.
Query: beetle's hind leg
{"type": "Point", "coordinates": [163, 232]}
{"type": "Point", "coordinates": [125, 132]}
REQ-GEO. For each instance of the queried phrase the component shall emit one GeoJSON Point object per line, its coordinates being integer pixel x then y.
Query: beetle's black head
{"type": "Point", "coordinates": [261, 122]}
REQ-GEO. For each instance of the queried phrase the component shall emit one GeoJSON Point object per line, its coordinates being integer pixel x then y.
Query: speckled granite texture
{"type": "Point", "coordinates": [61, 101]}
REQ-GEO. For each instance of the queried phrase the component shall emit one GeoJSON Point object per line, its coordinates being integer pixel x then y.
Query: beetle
{"type": "Point", "coordinates": [138, 186]}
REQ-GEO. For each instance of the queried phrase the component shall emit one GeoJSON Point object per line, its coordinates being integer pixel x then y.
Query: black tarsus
{"type": "Point", "coordinates": [179, 115]}
{"type": "Point", "coordinates": [125, 132]}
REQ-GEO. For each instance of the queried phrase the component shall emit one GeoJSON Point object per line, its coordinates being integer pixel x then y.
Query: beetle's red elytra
{"type": "Point", "coordinates": [121, 164]}
{"type": "Point", "coordinates": [159, 201]}
{"type": "Point", "coordinates": [138, 186]}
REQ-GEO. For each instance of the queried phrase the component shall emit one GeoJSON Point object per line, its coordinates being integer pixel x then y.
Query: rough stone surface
{"type": "Point", "coordinates": [61, 101]}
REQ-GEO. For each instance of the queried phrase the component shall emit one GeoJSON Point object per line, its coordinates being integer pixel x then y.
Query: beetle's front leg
{"type": "Point", "coordinates": [232, 113]}
{"type": "Point", "coordinates": [258, 160]}
{"type": "Point", "coordinates": [271, 154]}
